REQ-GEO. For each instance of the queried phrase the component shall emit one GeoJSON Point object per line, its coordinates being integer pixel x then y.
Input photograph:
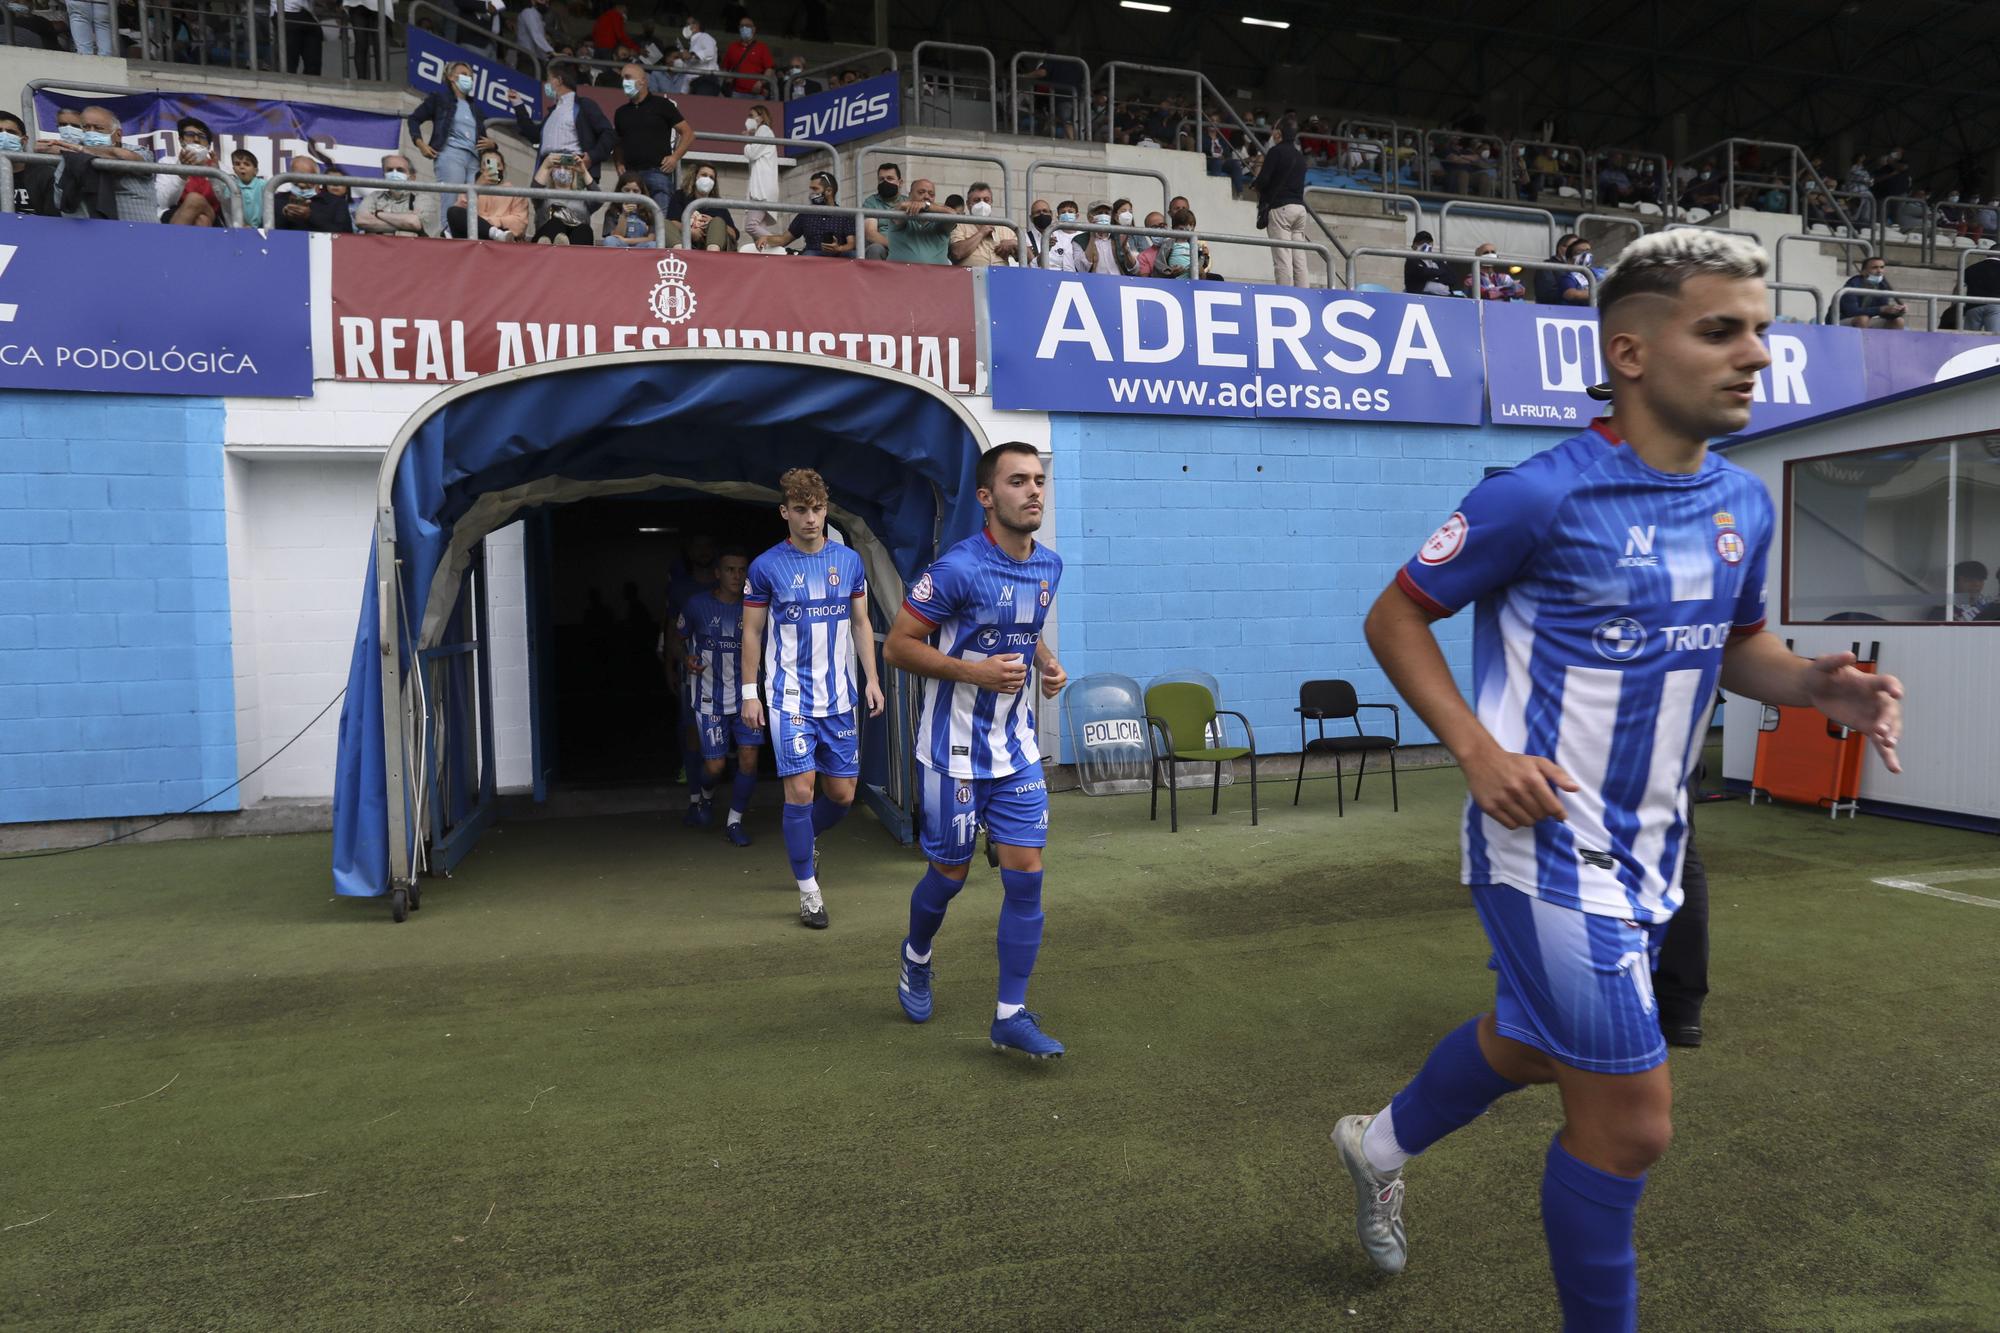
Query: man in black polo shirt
{"type": "Point", "coordinates": [653, 136]}
{"type": "Point", "coordinates": [830, 235]}
{"type": "Point", "coordinates": [1281, 203]}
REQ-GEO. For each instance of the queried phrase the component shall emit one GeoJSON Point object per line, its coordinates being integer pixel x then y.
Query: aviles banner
{"type": "Point", "coordinates": [1063, 342]}
{"type": "Point", "coordinates": [494, 86]}
{"type": "Point", "coordinates": [410, 310]}
{"type": "Point", "coordinates": [839, 114]}
{"type": "Point", "coordinates": [69, 320]}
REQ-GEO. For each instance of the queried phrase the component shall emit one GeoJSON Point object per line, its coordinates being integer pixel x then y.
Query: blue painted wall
{"type": "Point", "coordinates": [1253, 549]}
{"type": "Point", "coordinates": [116, 690]}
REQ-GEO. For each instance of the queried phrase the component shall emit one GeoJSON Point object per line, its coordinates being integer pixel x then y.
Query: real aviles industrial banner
{"type": "Point", "coordinates": [1064, 342]}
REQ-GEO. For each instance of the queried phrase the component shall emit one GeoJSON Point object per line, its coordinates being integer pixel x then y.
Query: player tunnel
{"type": "Point", "coordinates": [414, 785]}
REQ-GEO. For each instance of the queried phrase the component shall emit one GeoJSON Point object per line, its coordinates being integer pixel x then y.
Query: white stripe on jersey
{"type": "Point", "coordinates": [1666, 773]}
{"type": "Point", "coordinates": [1691, 569]}
{"type": "Point", "coordinates": [1589, 714]}
{"type": "Point", "coordinates": [1510, 853]}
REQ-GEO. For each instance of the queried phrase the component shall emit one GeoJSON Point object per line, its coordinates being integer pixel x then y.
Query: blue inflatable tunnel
{"type": "Point", "coordinates": [898, 454]}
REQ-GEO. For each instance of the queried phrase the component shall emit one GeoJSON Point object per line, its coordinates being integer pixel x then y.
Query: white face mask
{"type": "Point", "coordinates": [981, 208]}
{"type": "Point", "coordinates": [631, 87]}
{"type": "Point", "coordinates": [687, 32]}
{"type": "Point", "coordinates": [201, 154]}
{"type": "Point", "coordinates": [1065, 217]}
{"type": "Point", "coordinates": [704, 185]}
{"type": "Point", "coordinates": [749, 124]}
{"type": "Point", "coordinates": [464, 83]}
{"type": "Point", "coordinates": [1125, 219]}
{"type": "Point", "coordinates": [747, 33]}
{"type": "Point", "coordinates": [395, 174]}
{"type": "Point", "coordinates": [1100, 218]}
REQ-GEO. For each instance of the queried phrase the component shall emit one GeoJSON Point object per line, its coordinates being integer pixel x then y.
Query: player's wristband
{"type": "Point", "coordinates": [750, 691]}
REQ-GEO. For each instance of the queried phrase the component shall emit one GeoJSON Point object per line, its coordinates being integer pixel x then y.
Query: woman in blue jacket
{"type": "Point", "coordinates": [458, 127]}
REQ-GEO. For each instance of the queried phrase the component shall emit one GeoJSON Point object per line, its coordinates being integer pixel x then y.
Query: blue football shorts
{"type": "Point", "coordinates": [829, 745]}
{"type": "Point", "coordinates": [1014, 809]}
{"type": "Point", "coordinates": [720, 735]}
{"type": "Point", "coordinates": [1575, 986]}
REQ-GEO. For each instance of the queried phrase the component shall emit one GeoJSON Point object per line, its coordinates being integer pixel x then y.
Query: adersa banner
{"type": "Point", "coordinates": [409, 311]}
{"type": "Point", "coordinates": [1096, 344]}
{"type": "Point", "coordinates": [708, 115]}
{"type": "Point", "coordinates": [868, 106]}
{"type": "Point", "coordinates": [70, 320]}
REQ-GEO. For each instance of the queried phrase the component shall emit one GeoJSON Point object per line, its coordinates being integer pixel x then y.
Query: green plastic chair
{"type": "Point", "coordinates": [1177, 708]}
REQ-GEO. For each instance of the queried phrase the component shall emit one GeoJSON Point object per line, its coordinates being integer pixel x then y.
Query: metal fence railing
{"type": "Point", "coordinates": [854, 62]}
{"type": "Point", "coordinates": [1202, 84]}
{"type": "Point", "coordinates": [1778, 290]}
{"type": "Point", "coordinates": [1481, 207]}
{"type": "Point", "coordinates": [1966, 259]}
{"type": "Point", "coordinates": [860, 214]}
{"type": "Point", "coordinates": [1393, 202]}
{"type": "Point", "coordinates": [1569, 167]}
{"type": "Point", "coordinates": [1608, 220]}
{"type": "Point", "coordinates": [1095, 169]}
{"type": "Point", "coordinates": [1078, 94]}
{"type": "Point", "coordinates": [1890, 213]}
{"type": "Point", "coordinates": [1194, 237]}
{"type": "Point", "coordinates": [470, 189]}
{"type": "Point", "coordinates": [1474, 263]}
{"type": "Point", "coordinates": [1837, 306]}
{"type": "Point", "coordinates": [920, 91]}
{"type": "Point", "coordinates": [908, 153]}
{"type": "Point", "coordinates": [1788, 171]}
{"type": "Point", "coordinates": [1866, 248]}
{"type": "Point", "coordinates": [1449, 154]}
{"type": "Point", "coordinates": [226, 193]}
{"type": "Point", "coordinates": [1655, 187]}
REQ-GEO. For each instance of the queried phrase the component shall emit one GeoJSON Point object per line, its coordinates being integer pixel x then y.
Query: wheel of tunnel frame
{"type": "Point", "coordinates": [399, 905]}
{"type": "Point", "coordinates": [416, 897]}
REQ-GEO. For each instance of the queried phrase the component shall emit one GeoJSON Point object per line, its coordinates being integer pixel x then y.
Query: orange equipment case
{"type": "Point", "coordinates": [1804, 758]}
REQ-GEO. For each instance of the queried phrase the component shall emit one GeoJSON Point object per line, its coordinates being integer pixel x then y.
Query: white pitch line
{"type": "Point", "coordinates": [1929, 885]}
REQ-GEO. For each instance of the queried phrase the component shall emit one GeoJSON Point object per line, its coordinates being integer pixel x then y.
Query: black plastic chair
{"type": "Point", "coordinates": [1322, 701]}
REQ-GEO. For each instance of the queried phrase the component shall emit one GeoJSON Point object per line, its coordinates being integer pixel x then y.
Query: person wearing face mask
{"type": "Point", "coordinates": [457, 124]}
{"type": "Point", "coordinates": [653, 137]}
{"type": "Point", "coordinates": [763, 160]}
{"type": "Point", "coordinates": [914, 238]}
{"type": "Point", "coordinates": [979, 244]}
{"type": "Point", "coordinates": [1066, 251]}
{"type": "Point", "coordinates": [702, 61]}
{"type": "Point", "coordinates": [123, 196]}
{"type": "Point", "coordinates": [1138, 255]}
{"type": "Point", "coordinates": [392, 210]}
{"type": "Point", "coordinates": [711, 227]}
{"type": "Point", "coordinates": [565, 221]}
{"type": "Point", "coordinates": [888, 194]}
{"type": "Point", "coordinates": [1864, 309]}
{"type": "Point", "coordinates": [748, 56]}
{"type": "Point", "coordinates": [608, 33]}
{"type": "Point", "coordinates": [574, 124]}
{"type": "Point", "coordinates": [825, 234]}
{"type": "Point", "coordinates": [305, 206]}
{"type": "Point", "coordinates": [1426, 275]}
{"type": "Point", "coordinates": [628, 226]}
{"type": "Point", "coordinates": [1548, 281]}
{"type": "Point", "coordinates": [1705, 190]}
{"type": "Point", "coordinates": [1099, 254]}
{"type": "Point", "coordinates": [189, 201]}
{"type": "Point", "coordinates": [34, 182]}
{"type": "Point", "coordinates": [797, 85]}
{"type": "Point", "coordinates": [1574, 288]}
{"type": "Point", "coordinates": [500, 217]}
{"type": "Point", "coordinates": [1495, 283]}
{"type": "Point", "coordinates": [1035, 245]}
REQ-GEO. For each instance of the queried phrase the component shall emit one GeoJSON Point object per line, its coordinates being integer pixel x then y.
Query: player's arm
{"type": "Point", "coordinates": [908, 648]}
{"type": "Point", "coordinates": [864, 644]}
{"type": "Point", "coordinates": [1053, 675]}
{"type": "Point", "coordinates": [751, 710]}
{"type": "Point", "coordinates": [1761, 667]}
{"type": "Point", "coordinates": [1512, 788]}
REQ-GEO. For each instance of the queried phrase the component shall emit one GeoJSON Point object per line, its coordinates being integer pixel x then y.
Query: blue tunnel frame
{"type": "Point", "coordinates": [898, 454]}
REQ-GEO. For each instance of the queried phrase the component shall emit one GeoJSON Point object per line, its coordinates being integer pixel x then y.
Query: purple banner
{"type": "Point", "coordinates": [274, 132]}
{"type": "Point", "coordinates": [1901, 361]}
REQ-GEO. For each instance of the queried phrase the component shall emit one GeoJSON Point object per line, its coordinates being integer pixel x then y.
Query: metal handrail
{"type": "Point", "coordinates": [895, 63]}
{"type": "Point", "coordinates": [1663, 174]}
{"type": "Point", "coordinates": [1583, 164]}
{"type": "Point", "coordinates": [1386, 197]}
{"type": "Point", "coordinates": [1195, 237]}
{"type": "Point", "coordinates": [1845, 242]}
{"type": "Point", "coordinates": [1930, 300]}
{"type": "Point", "coordinates": [470, 189]}
{"type": "Point", "coordinates": [1615, 219]}
{"type": "Point", "coordinates": [1502, 159]}
{"type": "Point", "coordinates": [199, 8]}
{"type": "Point", "coordinates": [992, 77]}
{"type": "Point", "coordinates": [1110, 70]}
{"type": "Point", "coordinates": [1800, 168]}
{"type": "Point", "coordinates": [1928, 245]}
{"type": "Point", "coordinates": [1042, 58]}
{"type": "Point", "coordinates": [537, 66]}
{"type": "Point", "coordinates": [1859, 226]}
{"type": "Point", "coordinates": [820, 144]}
{"type": "Point", "coordinates": [1484, 206]}
{"type": "Point", "coordinates": [1818, 296]}
{"type": "Point", "coordinates": [907, 152]}
{"type": "Point", "coordinates": [1477, 261]}
{"type": "Point", "coordinates": [858, 213]}
{"type": "Point", "coordinates": [1096, 169]}
{"type": "Point", "coordinates": [229, 197]}
{"type": "Point", "coordinates": [1704, 226]}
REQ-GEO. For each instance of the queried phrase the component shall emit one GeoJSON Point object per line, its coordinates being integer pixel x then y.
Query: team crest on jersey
{"type": "Point", "coordinates": [922, 589]}
{"type": "Point", "coordinates": [833, 578]}
{"type": "Point", "coordinates": [964, 795]}
{"type": "Point", "coordinates": [1724, 519]}
{"type": "Point", "coordinates": [1730, 546]}
{"type": "Point", "coordinates": [1445, 543]}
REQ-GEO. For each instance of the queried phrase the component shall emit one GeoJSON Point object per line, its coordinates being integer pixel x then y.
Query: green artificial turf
{"type": "Point", "coordinates": [603, 1080]}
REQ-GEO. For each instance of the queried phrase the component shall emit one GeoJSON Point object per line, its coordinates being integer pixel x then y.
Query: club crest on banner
{"type": "Point", "coordinates": [672, 299]}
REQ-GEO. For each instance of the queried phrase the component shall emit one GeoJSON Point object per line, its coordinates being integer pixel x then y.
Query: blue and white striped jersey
{"type": "Point", "coordinates": [983, 603]}
{"type": "Point", "coordinates": [808, 642]}
{"type": "Point", "coordinates": [1606, 593]}
{"type": "Point", "coordinates": [712, 629]}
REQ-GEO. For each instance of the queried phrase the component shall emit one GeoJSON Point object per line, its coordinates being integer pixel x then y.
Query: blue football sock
{"type": "Point", "coordinates": [799, 839]}
{"type": "Point", "coordinates": [739, 791]}
{"type": "Point", "coordinates": [1587, 1215]}
{"type": "Point", "coordinates": [928, 901]}
{"type": "Point", "coordinates": [1449, 1092]}
{"type": "Point", "coordinates": [826, 813]}
{"type": "Point", "coordinates": [1020, 937]}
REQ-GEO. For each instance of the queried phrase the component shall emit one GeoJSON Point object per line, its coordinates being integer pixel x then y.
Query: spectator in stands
{"type": "Point", "coordinates": [190, 201]}
{"type": "Point", "coordinates": [457, 126]}
{"type": "Point", "coordinates": [1223, 159]}
{"type": "Point", "coordinates": [1180, 252]}
{"type": "Point", "coordinates": [1892, 174]}
{"type": "Point", "coordinates": [1983, 279]}
{"type": "Point", "coordinates": [609, 33]}
{"type": "Point", "coordinates": [303, 38]}
{"type": "Point", "coordinates": [763, 184]}
{"type": "Point", "coordinates": [1425, 274]}
{"type": "Point", "coordinates": [34, 182]}
{"type": "Point", "coordinates": [305, 206]}
{"type": "Point", "coordinates": [1137, 255]}
{"type": "Point", "coordinates": [711, 226]}
{"type": "Point", "coordinates": [1863, 309]}
{"type": "Point", "coordinates": [1099, 254]}
{"type": "Point", "coordinates": [392, 211]}
{"type": "Point", "coordinates": [531, 30]}
{"type": "Point", "coordinates": [121, 195]}
{"type": "Point", "coordinates": [979, 244]}
{"type": "Point", "coordinates": [796, 84]}
{"type": "Point", "coordinates": [1100, 116]}
{"type": "Point", "coordinates": [888, 194]}
{"type": "Point", "coordinates": [1495, 282]}
{"type": "Point", "coordinates": [913, 238]}
{"type": "Point", "coordinates": [564, 221]}
{"type": "Point", "coordinates": [629, 225]}
{"type": "Point", "coordinates": [1548, 281]}
{"type": "Point", "coordinates": [500, 217]}
{"type": "Point", "coordinates": [1177, 204]}
{"type": "Point", "coordinates": [701, 64]}
{"type": "Point", "coordinates": [249, 186]}
{"type": "Point", "coordinates": [1035, 244]}
{"type": "Point", "coordinates": [1614, 183]}
{"type": "Point", "coordinates": [1986, 217]}
{"type": "Point", "coordinates": [1704, 191]}
{"type": "Point", "coordinates": [90, 25]}
{"type": "Point", "coordinates": [653, 137]}
{"type": "Point", "coordinates": [1281, 204]}
{"type": "Point", "coordinates": [827, 235]}
{"type": "Point", "coordinates": [358, 21]}
{"type": "Point", "coordinates": [748, 56]}
{"type": "Point", "coordinates": [1968, 593]}
{"type": "Point", "coordinates": [575, 124]}
{"type": "Point", "coordinates": [1912, 212]}
{"type": "Point", "coordinates": [1065, 251]}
